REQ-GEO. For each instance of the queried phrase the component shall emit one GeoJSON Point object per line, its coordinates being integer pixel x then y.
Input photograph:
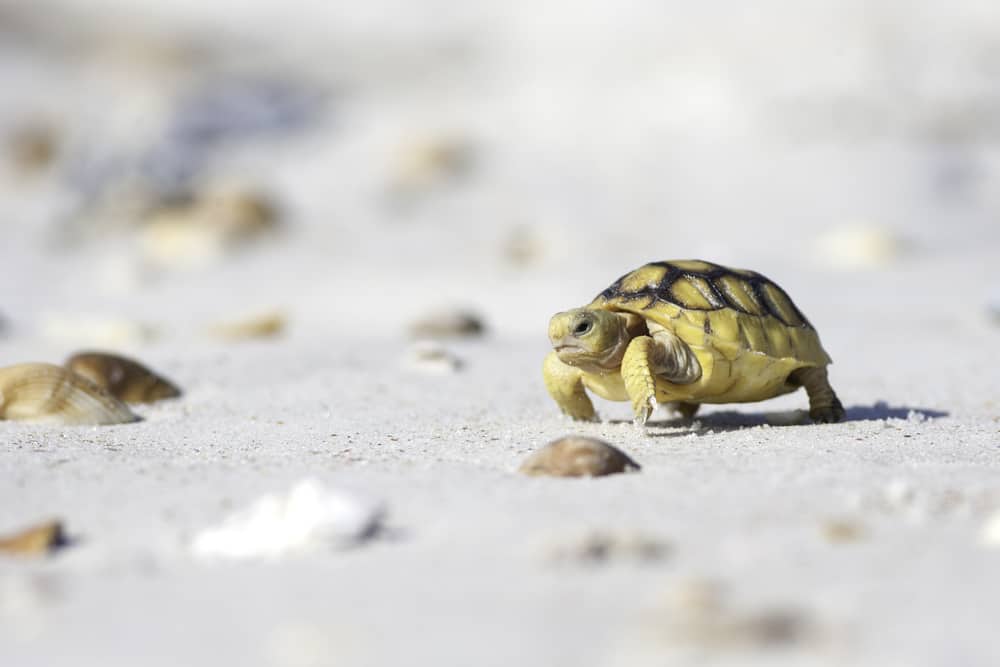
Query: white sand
{"type": "Point", "coordinates": [600, 170]}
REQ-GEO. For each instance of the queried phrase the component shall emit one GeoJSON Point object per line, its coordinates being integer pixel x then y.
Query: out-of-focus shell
{"type": "Point", "coordinates": [56, 395]}
{"type": "Point", "coordinates": [123, 378]}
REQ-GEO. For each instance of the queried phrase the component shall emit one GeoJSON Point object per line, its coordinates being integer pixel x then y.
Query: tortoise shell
{"type": "Point", "coordinates": [711, 307]}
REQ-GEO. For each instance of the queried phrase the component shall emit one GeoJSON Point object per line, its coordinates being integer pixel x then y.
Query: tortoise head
{"type": "Point", "coordinates": [593, 340]}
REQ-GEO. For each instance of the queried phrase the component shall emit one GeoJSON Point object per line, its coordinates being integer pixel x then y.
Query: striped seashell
{"type": "Point", "coordinates": [45, 393]}
{"type": "Point", "coordinates": [123, 378]}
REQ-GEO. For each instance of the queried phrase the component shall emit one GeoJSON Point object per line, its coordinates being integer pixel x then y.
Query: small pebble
{"type": "Point", "coordinates": [525, 246]}
{"type": "Point", "coordinates": [602, 546]}
{"type": "Point", "coordinates": [33, 147]}
{"type": "Point", "coordinates": [578, 456]}
{"type": "Point", "coordinates": [38, 540]}
{"type": "Point", "coordinates": [430, 358]}
{"type": "Point", "coordinates": [899, 494]}
{"type": "Point", "coordinates": [863, 246]}
{"type": "Point", "coordinates": [842, 531]}
{"type": "Point", "coordinates": [425, 163]}
{"type": "Point", "coordinates": [264, 325]}
{"type": "Point", "coordinates": [701, 615]}
{"type": "Point", "coordinates": [990, 533]}
{"type": "Point", "coordinates": [448, 324]}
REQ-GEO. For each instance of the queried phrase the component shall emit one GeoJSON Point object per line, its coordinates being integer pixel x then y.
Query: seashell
{"type": "Point", "coordinates": [203, 229]}
{"type": "Point", "coordinates": [123, 378]}
{"type": "Point", "coordinates": [448, 324]}
{"type": "Point", "coordinates": [52, 394]}
{"type": "Point", "coordinates": [578, 456]}
{"type": "Point", "coordinates": [265, 325]}
{"type": "Point", "coordinates": [37, 540]}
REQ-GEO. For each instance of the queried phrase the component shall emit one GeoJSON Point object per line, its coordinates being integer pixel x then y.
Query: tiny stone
{"type": "Point", "coordinates": [264, 325]}
{"type": "Point", "coordinates": [38, 540]}
{"type": "Point", "coordinates": [842, 531]}
{"type": "Point", "coordinates": [430, 358]}
{"type": "Point", "coordinates": [578, 456]}
{"type": "Point", "coordinates": [599, 547]}
{"type": "Point", "coordinates": [448, 324]}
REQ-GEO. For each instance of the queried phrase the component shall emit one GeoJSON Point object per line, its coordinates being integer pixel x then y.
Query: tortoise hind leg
{"type": "Point", "coordinates": [824, 406]}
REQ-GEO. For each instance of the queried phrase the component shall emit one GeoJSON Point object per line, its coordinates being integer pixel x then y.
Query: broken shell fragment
{"type": "Point", "coordinates": [123, 378]}
{"type": "Point", "coordinates": [448, 324]}
{"type": "Point", "coordinates": [45, 393]}
{"type": "Point", "coordinates": [578, 456]}
{"type": "Point", "coordinates": [37, 540]}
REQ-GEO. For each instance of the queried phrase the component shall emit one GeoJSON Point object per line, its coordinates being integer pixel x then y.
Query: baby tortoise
{"type": "Point", "coordinates": [687, 332]}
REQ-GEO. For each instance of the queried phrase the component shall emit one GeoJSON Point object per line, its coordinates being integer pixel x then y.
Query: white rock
{"type": "Point", "coordinates": [308, 518]}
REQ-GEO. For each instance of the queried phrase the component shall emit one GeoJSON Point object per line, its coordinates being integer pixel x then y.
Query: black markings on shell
{"type": "Point", "coordinates": [699, 285]}
{"type": "Point", "coordinates": [124, 378]}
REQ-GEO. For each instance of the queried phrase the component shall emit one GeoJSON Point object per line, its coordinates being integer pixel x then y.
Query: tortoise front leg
{"type": "Point", "coordinates": [565, 385]}
{"type": "Point", "coordinates": [664, 355]}
{"type": "Point", "coordinates": [824, 406]}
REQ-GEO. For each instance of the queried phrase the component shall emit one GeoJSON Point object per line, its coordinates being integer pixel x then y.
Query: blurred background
{"type": "Point", "coordinates": [339, 160]}
{"type": "Point", "coordinates": [336, 171]}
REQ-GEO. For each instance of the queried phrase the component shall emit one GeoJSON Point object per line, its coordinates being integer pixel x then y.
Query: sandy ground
{"type": "Point", "coordinates": [859, 543]}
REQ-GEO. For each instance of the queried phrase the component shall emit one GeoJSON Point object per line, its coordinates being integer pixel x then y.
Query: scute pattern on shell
{"type": "Point", "coordinates": [700, 285]}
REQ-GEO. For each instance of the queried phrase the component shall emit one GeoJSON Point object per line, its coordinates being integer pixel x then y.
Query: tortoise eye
{"type": "Point", "coordinates": [582, 327]}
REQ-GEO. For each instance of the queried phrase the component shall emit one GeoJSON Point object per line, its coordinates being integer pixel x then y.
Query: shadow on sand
{"type": "Point", "coordinates": [731, 420]}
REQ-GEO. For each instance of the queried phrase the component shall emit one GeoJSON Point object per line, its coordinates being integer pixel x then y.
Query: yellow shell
{"type": "Point", "coordinates": [123, 378]}
{"type": "Point", "coordinates": [746, 332]}
{"type": "Point", "coordinates": [55, 395]}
